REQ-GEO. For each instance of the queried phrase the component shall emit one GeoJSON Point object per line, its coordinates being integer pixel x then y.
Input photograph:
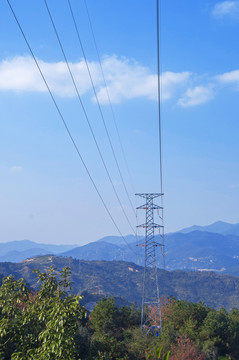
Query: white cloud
{"type": "Point", "coordinates": [126, 79]}
{"type": "Point", "coordinates": [231, 77]}
{"type": "Point", "coordinates": [171, 81]}
{"type": "Point", "coordinates": [196, 96]}
{"type": "Point", "coordinates": [16, 169]}
{"type": "Point", "coordinates": [226, 8]}
{"type": "Point", "coordinates": [21, 74]}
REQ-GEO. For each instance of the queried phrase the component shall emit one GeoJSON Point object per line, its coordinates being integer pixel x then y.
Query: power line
{"type": "Point", "coordinates": [98, 103]}
{"type": "Point", "coordinates": [158, 5]}
{"type": "Point", "coordinates": [159, 12]}
{"type": "Point", "coordinates": [86, 116]}
{"type": "Point", "coordinates": [66, 127]}
{"type": "Point", "coordinates": [108, 96]}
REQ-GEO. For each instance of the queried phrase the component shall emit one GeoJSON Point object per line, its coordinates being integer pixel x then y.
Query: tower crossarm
{"type": "Point", "coordinates": [150, 226]}
{"type": "Point", "coordinates": [153, 207]}
{"type": "Point", "coordinates": [149, 195]}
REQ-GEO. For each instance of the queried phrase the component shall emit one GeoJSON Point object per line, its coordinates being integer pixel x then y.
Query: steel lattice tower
{"type": "Point", "coordinates": [150, 310]}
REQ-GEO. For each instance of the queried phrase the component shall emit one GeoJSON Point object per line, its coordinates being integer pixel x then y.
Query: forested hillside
{"type": "Point", "coordinates": [124, 280]}
{"type": "Point", "coordinates": [51, 324]}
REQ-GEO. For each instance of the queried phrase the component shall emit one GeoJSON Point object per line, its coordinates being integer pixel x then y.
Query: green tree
{"type": "Point", "coordinates": [233, 328]}
{"type": "Point", "coordinates": [14, 296]}
{"type": "Point", "coordinates": [215, 333]}
{"type": "Point", "coordinates": [105, 317]}
{"type": "Point", "coordinates": [112, 330]}
{"type": "Point", "coordinates": [129, 316]}
{"type": "Point", "coordinates": [43, 326]}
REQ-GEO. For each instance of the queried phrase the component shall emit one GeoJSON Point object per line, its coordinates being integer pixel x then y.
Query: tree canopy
{"type": "Point", "coordinates": [51, 324]}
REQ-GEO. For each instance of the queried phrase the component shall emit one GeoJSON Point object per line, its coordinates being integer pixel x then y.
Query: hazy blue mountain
{"type": "Point", "coordinates": [98, 250]}
{"type": "Point", "coordinates": [118, 240]}
{"type": "Point", "coordinates": [19, 250]}
{"type": "Point", "coordinates": [196, 250]}
{"type": "Point", "coordinates": [199, 250]}
{"type": "Point", "coordinates": [17, 256]}
{"type": "Point", "coordinates": [218, 227]}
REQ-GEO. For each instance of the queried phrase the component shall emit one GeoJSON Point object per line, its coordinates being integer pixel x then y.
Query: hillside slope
{"type": "Point", "coordinates": [122, 279]}
{"type": "Point", "coordinates": [196, 250]}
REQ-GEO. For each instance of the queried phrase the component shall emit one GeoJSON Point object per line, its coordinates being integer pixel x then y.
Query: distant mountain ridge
{"type": "Point", "coordinates": [219, 227]}
{"type": "Point", "coordinates": [17, 256]}
{"type": "Point", "coordinates": [98, 250]}
{"type": "Point", "coordinates": [196, 250]}
{"type": "Point", "coordinates": [189, 249]}
{"type": "Point", "coordinates": [19, 250]}
{"type": "Point", "coordinates": [118, 240]}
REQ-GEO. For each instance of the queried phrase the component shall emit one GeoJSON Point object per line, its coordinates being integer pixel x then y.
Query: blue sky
{"type": "Point", "coordinates": [46, 195]}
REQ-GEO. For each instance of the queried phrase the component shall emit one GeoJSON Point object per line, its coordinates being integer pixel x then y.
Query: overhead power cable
{"type": "Point", "coordinates": [98, 103]}
{"type": "Point", "coordinates": [86, 116]}
{"type": "Point", "coordinates": [66, 126]}
{"type": "Point", "coordinates": [158, 16]}
{"type": "Point", "coordinates": [109, 99]}
{"type": "Point", "coordinates": [158, 5]}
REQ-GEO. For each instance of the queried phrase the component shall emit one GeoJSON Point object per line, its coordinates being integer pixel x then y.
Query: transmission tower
{"type": "Point", "coordinates": [150, 310]}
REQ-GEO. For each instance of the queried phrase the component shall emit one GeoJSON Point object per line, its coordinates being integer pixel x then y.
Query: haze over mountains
{"type": "Point", "coordinates": [16, 251]}
{"type": "Point", "coordinates": [218, 227]}
{"type": "Point", "coordinates": [98, 269]}
{"type": "Point", "coordinates": [214, 247]}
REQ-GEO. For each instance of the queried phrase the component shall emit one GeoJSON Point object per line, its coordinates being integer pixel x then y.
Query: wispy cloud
{"type": "Point", "coordinates": [234, 186]}
{"type": "Point", "coordinates": [21, 74]}
{"type": "Point", "coordinates": [126, 78]}
{"type": "Point", "coordinates": [226, 8]}
{"type": "Point", "coordinates": [15, 169]}
{"type": "Point", "coordinates": [231, 77]}
{"type": "Point", "coordinates": [172, 81]}
{"type": "Point", "coordinates": [196, 96]}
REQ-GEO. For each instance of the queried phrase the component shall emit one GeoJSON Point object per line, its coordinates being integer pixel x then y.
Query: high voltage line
{"type": "Point", "coordinates": [159, 31]}
{"type": "Point", "coordinates": [99, 107]}
{"type": "Point", "coordinates": [158, 12]}
{"type": "Point", "coordinates": [86, 116]}
{"type": "Point", "coordinates": [108, 96]}
{"type": "Point", "coordinates": [152, 323]}
{"type": "Point", "coordinates": [66, 126]}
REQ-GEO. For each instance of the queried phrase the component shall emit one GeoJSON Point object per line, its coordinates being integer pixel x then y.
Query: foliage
{"type": "Point", "coordinates": [50, 324]}
{"type": "Point", "coordinates": [122, 279]}
{"type": "Point", "coordinates": [111, 329]}
{"type": "Point", "coordinates": [157, 354]}
{"type": "Point", "coordinates": [104, 319]}
{"type": "Point", "coordinates": [185, 349]}
{"type": "Point", "coordinates": [41, 326]}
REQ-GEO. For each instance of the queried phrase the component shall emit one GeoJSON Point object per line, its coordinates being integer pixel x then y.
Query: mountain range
{"type": "Point", "coordinates": [17, 251]}
{"type": "Point", "coordinates": [123, 280]}
{"type": "Point", "coordinates": [218, 227]}
{"type": "Point", "coordinates": [214, 247]}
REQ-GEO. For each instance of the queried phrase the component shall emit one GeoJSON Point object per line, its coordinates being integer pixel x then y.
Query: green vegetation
{"type": "Point", "coordinates": [123, 280]}
{"type": "Point", "coordinates": [51, 324]}
{"type": "Point", "coordinates": [39, 325]}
